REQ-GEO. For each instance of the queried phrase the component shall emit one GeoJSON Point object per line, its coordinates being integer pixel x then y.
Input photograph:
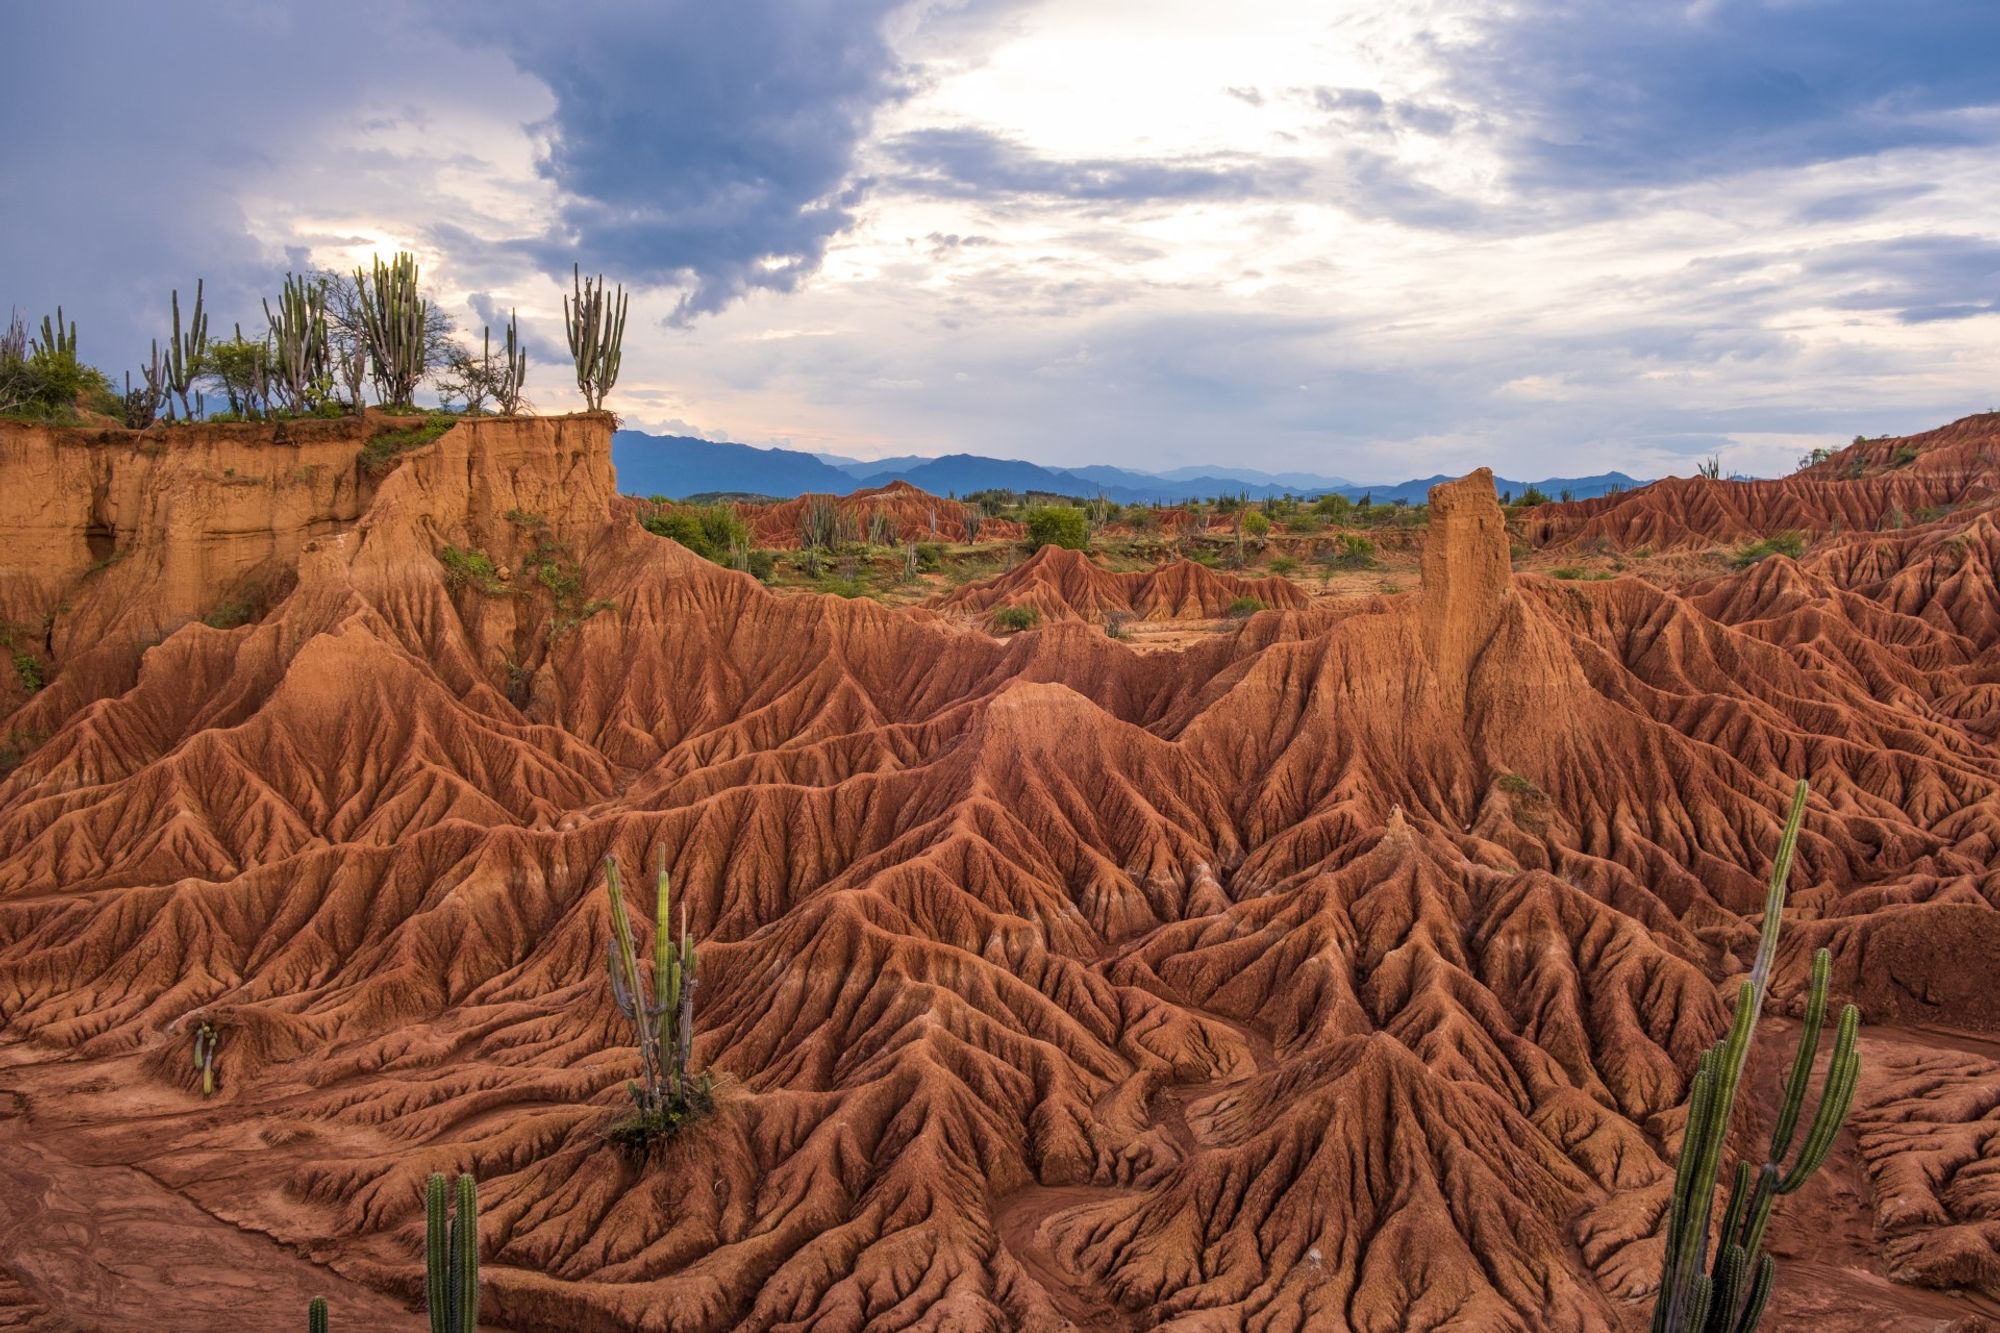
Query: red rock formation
{"type": "Point", "coordinates": [916, 516]}
{"type": "Point", "coordinates": [1068, 585]}
{"type": "Point", "coordinates": [1343, 972]}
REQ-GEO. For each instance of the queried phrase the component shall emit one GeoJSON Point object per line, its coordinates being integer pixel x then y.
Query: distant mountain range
{"type": "Point", "coordinates": [679, 465]}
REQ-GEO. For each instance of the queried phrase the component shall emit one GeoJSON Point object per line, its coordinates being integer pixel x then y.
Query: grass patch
{"type": "Point", "coordinates": [470, 569]}
{"type": "Point", "coordinates": [232, 611]}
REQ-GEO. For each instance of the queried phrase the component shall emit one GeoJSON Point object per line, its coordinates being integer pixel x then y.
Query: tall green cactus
{"type": "Point", "coordinates": [186, 350]}
{"type": "Point", "coordinates": [56, 340]}
{"type": "Point", "coordinates": [395, 320]}
{"type": "Point", "coordinates": [1731, 1295]}
{"type": "Point", "coordinates": [596, 326]}
{"type": "Point", "coordinates": [316, 1317]}
{"type": "Point", "coordinates": [451, 1255]}
{"type": "Point", "coordinates": [206, 1041]}
{"type": "Point", "coordinates": [507, 389]}
{"type": "Point", "coordinates": [661, 1010]}
{"type": "Point", "coordinates": [298, 332]}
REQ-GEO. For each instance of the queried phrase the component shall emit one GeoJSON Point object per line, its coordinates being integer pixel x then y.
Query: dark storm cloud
{"type": "Point", "coordinates": [700, 144]}
{"type": "Point", "coordinates": [1605, 93]}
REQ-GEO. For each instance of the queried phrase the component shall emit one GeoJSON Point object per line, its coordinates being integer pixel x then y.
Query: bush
{"type": "Point", "coordinates": [710, 531]}
{"type": "Point", "coordinates": [1791, 544]}
{"type": "Point", "coordinates": [1283, 564]}
{"type": "Point", "coordinates": [1058, 525]}
{"type": "Point", "coordinates": [1244, 606]}
{"type": "Point", "coordinates": [470, 567]}
{"type": "Point", "coordinates": [1354, 552]}
{"type": "Point", "coordinates": [1013, 619]}
{"type": "Point", "coordinates": [1532, 496]}
{"type": "Point", "coordinates": [1256, 525]}
{"type": "Point", "coordinates": [28, 671]}
{"type": "Point", "coordinates": [930, 557]}
{"type": "Point", "coordinates": [763, 564]}
{"type": "Point", "coordinates": [49, 385]}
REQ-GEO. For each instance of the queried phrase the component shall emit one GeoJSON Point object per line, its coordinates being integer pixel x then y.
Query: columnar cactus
{"type": "Point", "coordinates": [206, 1040]}
{"type": "Point", "coordinates": [57, 340]}
{"type": "Point", "coordinates": [507, 389]}
{"type": "Point", "coordinates": [596, 326]}
{"type": "Point", "coordinates": [185, 351]}
{"type": "Point", "coordinates": [316, 1316]}
{"type": "Point", "coordinates": [660, 1009]}
{"type": "Point", "coordinates": [395, 320]}
{"type": "Point", "coordinates": [298, 332]}
{"type": "Point", "coordinates": [451, 1256]}
{"type": "Point", "coordinates": [1731, 1295]}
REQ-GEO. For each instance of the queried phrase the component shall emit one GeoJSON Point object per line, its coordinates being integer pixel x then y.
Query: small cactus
{"type": "Point", "coordinates": [206, 1040]}
{"type": "Point", "coordinates": [316, 1315]}
{"type": "Point", "coordinates": [451, 1255]}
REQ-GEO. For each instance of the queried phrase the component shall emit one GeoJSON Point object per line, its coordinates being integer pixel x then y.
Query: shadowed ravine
{"type": "Point", "coordinates": [1344, 969]}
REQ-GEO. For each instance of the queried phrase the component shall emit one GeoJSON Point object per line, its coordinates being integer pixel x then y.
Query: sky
{"type": "Point", "coordinates": [1370, 239]}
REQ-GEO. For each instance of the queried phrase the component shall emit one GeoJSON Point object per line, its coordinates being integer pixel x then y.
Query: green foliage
{"type": "Point", "coordinates": [661, 1011]}
{"type": "Point", "coordinates": [1243, 607]}
{"type": "Point", "coordinates": [1731, 1296]}
{"type": "Point", "coordinates": [823, 525]}
{"type": "Point", "coordinates": [1014, 619]}
{"type": "Point", "coordinates": [27, 670]}
{"type": "Point", "coordinates": [1532, 496]}
{"type": "Point", "coordinates": [241, 369]}
{"type": "Point", "coordinates": [930, 557]}
{"type": "Point", "coordinates": [596, 328]}
{"type": "Point", "coordinates": [299, 348]}
{"type": "Point", "coordinates": [43, 381]}
{"type": "Point", "coordinates": [1283, 564]}
{"type": "Point", "coordinates": [761, 564]}
{"type": "Point", "coordinates": [712, 531]}
{"type": "Point", "coordinates": [233, 610]}
{"type": "Point", "coordinates": [881, 528]}
{"type": "Point", "coordinates": [1791, 544]}
{"type": "Point", "coordinates": [1904, 456]}
{"type": "Point", "coordinates": [451, 1254]}
{"type": "Point", "coordinates": [1256, 525]}
{"type": "Point", "coordinates": [470, 568]}
{"type": "Point", "coordinates": [383, 451]}
{"type": "Point", "coordinates": [1516, 785]}
{"type": "Point", "coordinates": [1058, 525]}
{"type": "Point", "coordinates": [1354, 552]}
{"type": "Point", "coordinates": [1333, 505]}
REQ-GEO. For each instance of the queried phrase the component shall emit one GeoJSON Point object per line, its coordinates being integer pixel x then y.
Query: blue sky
{"type": "Point", "coordinates": [1373, 239]}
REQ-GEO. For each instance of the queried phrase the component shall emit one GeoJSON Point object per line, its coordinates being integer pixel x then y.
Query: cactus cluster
{"type": "Point", "coordinates": [185, 353]}
{"type": "Point", "coordinates": [451, 1255]}
{"type": "Point", "coordinates": [1726, 1291]}
{"type": "Point", "coordinates": [660, 1009]}
{"type": "Point", "coordinates": [596, 326]}
{"type": "Point", "coordinates": [56, 340]}
{"type": "Point", "coordinates": [507, 388]}
{"type": "Point", "coordinates": [299, 343]}
{"type": "Point", "coordinates": [822, 526]}
{"type": "Point", "coordinates": [973, 518]}
{"type": "Point", "coordinates": [395, 321]}
{"type": "Point", "coordinates": [142, 405]}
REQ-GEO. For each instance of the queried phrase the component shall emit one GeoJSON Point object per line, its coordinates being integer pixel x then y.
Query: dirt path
{"type": "Point", "coordinates": [109, 1248]}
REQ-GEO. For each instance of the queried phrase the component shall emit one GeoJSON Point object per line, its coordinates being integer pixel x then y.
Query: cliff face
{"type": "Point", "coordinates": [1343, 970]}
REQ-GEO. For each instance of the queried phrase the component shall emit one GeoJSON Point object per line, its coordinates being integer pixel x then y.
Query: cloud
{"type": "Point", "coordinates": [975, 163]}
{"type": "Point", "coordinates": [1597, 94]}
{"type": "Point", "coordinates": [707, 146]}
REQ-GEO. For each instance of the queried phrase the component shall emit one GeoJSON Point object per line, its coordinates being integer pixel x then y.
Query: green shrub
{"type": "Point", "coordinates": [1244, 606]}
{"type": "Point", "coordinates": [48, 385]}
{"type": "Point", "coordinates": [1058, 525]}
{"type": "Point", "coordinates": [232, 611]}
{"type": "Point", "coordinates": [930, 557]}
{"type": "Point", "coordinates": [1532, 496]}
{"type": "Point", "coordinates": [1791, 544]}
{"type": "Point", "coordinates": [1255, 524]}
{"type": "Point", "coordinates": [712, 531]}
{"type": "Point", "coordinates": [473, 568]}
{"type": "Point", "coordinates": [1354, 552]}
{"type": "Point", "coordinates": [1016, 618]}
{"type": "Point", "coordinates": [1904, 456]}
{"type": "Point", "coordinates": [1283, 564]}
{"type": "Point", "coordinates": [28, 670]}
{"type": "Point", "coordinates": [763, 564]}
